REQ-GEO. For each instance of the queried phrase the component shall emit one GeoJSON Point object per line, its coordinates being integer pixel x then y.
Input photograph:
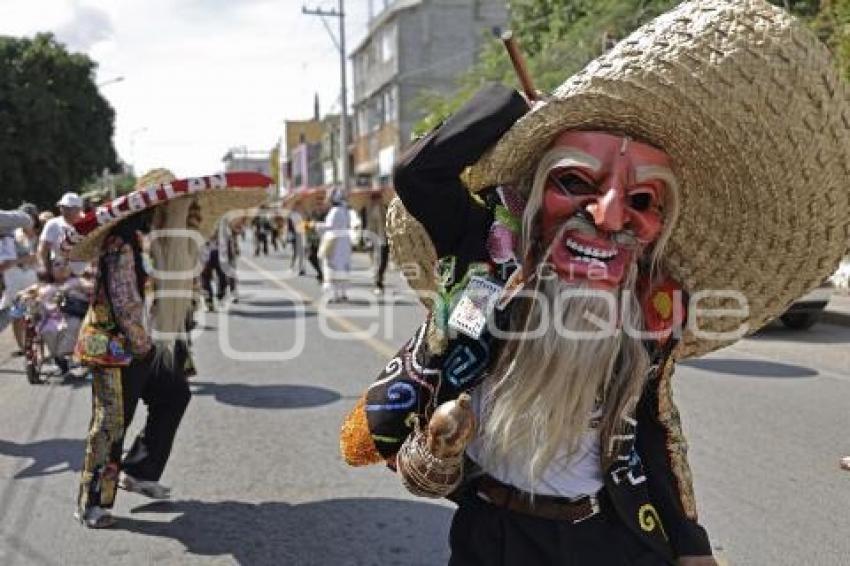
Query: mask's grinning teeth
{"type": "Point", "coordinates": [589, 253]}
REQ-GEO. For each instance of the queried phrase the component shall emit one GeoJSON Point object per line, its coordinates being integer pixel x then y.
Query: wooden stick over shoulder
{"type": "Point", "coordinates": [520, 68]}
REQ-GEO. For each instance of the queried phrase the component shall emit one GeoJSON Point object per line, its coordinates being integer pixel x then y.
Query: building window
{"type": "Point", "coordinates": [388, 37]}
{"type": "Point", "coordinates": [374, 113]}
{"type": "Point", "coordinates": [389, 99]}
{"type": "Point", "coordinates": [363, 120]}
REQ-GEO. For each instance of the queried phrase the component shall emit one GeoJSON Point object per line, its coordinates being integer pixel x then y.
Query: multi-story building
{"type": "Point", "coordinates": [310, 159]}
{"type": "Point", "coordinates": [412, 46]}
{"type": "Point", "coordinates": [300, 155]}
{"type": "Point", "coordinates": [330, 159]}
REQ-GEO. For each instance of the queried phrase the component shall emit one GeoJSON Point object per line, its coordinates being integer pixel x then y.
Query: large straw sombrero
{"type": "Point", "coordinates": [214, 195]}
{"type": "Point", "coordinates": [747, 103]}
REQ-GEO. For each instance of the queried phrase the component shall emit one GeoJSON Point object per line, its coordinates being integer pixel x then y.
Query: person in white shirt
{"type": "Point", "coordinates": [70, 210]}
{"type": "Point", "coordinates": [335, 249]}
{"type": "Point", "coordinates": [10, 220]}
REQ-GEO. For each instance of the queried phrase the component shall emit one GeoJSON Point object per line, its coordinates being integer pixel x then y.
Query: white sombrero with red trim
{"type": "Point", "coordinates": [215, 195]}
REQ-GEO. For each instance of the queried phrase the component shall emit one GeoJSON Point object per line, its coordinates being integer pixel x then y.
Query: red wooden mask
{"type": "Point", "coordinates": [603, 205]}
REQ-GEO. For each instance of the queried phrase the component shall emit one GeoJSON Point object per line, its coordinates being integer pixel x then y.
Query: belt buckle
{"type": "Point", "coordinates": [594, 510]}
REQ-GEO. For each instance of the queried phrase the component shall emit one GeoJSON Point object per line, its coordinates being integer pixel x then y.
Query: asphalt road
{"type": "Point", "coordinates": [258, 480]}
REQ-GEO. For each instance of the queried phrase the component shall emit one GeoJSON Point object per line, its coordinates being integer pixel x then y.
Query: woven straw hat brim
{"type": "Point", "coordinates": [243, 191]}
{"type": "Point", "coordinates": [156, 176]}
{"type": "Point", "coordinates": [747, 103]}
{"type": "Point", "coordinates": [412, 251]}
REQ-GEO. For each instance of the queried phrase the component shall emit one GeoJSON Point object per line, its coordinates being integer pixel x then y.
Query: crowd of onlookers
{"type": "Point", "coordinates": [39, 286]}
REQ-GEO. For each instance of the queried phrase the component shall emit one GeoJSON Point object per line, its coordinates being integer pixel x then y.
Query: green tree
{"type": "Point", "coordinates": [832, 24]}
{"type": "Point", "coordinates": [98, 189]}
{"type": "Point", "coordinates": [55, 128]}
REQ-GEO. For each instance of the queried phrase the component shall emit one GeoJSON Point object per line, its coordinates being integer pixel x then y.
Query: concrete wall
{"type": "Point", "coordinates": [435, 42]}
{"type": "Point", "coordinates": [439, 41]}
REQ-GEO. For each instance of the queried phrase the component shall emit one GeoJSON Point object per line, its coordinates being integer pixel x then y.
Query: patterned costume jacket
{"type": "Point", "coordinates": [646, 472]}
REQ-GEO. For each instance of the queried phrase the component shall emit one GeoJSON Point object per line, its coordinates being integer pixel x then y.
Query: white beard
{"type": "Point", "coordinates": [541, 391]}
{"type": "Point", "coordinates": [172, 256]}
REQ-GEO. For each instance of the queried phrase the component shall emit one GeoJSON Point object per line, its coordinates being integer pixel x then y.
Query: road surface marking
{"type": "Point", "coordinates": [379, 346]}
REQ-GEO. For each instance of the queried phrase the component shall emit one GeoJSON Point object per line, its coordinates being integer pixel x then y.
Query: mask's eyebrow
{"type": "Point", "coordinates": [572, 157]}
{"type": "Point", "coordinates": [653, 172]}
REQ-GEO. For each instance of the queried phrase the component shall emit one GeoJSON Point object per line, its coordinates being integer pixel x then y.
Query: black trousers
{"type": "Point", "coordinates": [166, 394]}
{"type": "Point", "coordinates": [485, 535]}
{"type": "Point", "coordinates": [261, 242]}
{"type": "Point", "coordinates": [383, 259]}
{"type": "Point", "coordinates": [213, 266]}
{"type": "Point", "coordinates": [313, 258]}
{"type": "Point", "coordinates": [115, 395]}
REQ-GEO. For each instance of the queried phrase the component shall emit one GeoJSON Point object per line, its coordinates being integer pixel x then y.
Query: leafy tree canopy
{"type": "Point", "coordinates": [102, 187]}
{"type": "Point", "coordinates": [55, 127]}
{"type": "Point", "coordinates": [559, 37]}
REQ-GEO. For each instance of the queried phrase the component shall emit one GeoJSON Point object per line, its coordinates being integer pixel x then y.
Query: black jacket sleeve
{"type": "Point", "coordinates": [663, 452]}
{"type": "Point", "coordinates": [427, 177]}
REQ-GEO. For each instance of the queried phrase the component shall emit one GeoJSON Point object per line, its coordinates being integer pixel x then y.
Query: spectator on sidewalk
{"type": "Point", "coordinates": [70, 210]}
{"type": "Point", "coordinates": [10, 221]}
{"type": "Point", "coordinates": [65, 300]}
{"type": "Point", "coordinates": [24, 272]}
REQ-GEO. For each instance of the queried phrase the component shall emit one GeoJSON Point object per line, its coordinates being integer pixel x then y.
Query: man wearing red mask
{"type": "Point", "coordinates": [575, 245]}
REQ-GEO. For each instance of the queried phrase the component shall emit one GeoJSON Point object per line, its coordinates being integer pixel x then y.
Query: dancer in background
{"type": "Point", "coordinates": [129, 359]}
{"type": "Point", "coordinates": [335, 249]}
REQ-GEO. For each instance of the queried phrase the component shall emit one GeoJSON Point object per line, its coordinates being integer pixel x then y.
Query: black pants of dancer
{"type": "Point", "coordinates": [383, 260]}
{"type": "Point", "coordinates": [116, 393]}
{"type": "Point", "coordinates": [313, 258]}
{"type": "Point", "coordinates": [213, 266]}
{"type": "Point", "coordinates": [483, 534]}
{"type": "Point", "coordinates": [261, 242]}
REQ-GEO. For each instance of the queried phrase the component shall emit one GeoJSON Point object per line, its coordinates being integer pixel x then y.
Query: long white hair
{"type": "Point", "coordinates": [174, 257]}
{"type": "Point", "coordinates": [545, 385]}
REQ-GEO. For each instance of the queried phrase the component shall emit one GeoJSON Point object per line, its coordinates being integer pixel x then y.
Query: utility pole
{"type": "Point", "coordinates": [343, 115]}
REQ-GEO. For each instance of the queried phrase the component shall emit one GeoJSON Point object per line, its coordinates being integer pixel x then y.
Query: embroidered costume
{"type": "Point", "coordinates": [652, 177]}
{"type": "Point", "coordinates": [128, 361]}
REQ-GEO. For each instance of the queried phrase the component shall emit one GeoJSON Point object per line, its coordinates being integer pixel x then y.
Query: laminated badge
{"type": "Point", "coordinates": [472, 311]}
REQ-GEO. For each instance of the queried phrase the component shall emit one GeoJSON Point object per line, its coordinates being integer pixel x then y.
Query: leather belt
{"type": "Point", "coordinates": [543, 506]}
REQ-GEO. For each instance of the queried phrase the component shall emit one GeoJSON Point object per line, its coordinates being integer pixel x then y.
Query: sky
{"type": "Point", "coordinates": [200, 76]}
